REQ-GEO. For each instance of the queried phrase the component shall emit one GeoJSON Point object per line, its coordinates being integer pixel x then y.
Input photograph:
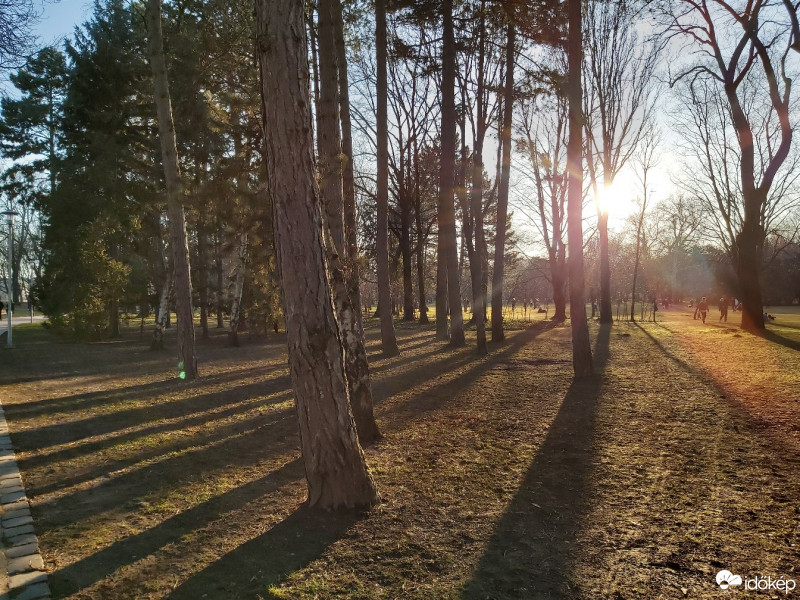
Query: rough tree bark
{"type": "Point", "coordinates": [336, 471]}
{"type": "Point", "coordinates": [220, 276]}
{"type": "Point", "coordinates": [331, 189]}
{"type": "Point", "coordinates": [238, 287]}
{"type": "Point", "coordinates": [172, 177]}
{"type": "Point", "coordinates": [348, 177]}
{"type": "Point", "coordinates": [581, 347]}
{"type": "Point", "coordinates": [423, 306]}
{"type": "Point", "coordinates": [502, 189]}
{"type": "Point", "coordinates": [405, 249]}
{"type": "Point", "coordinates": [388, 339]}
{"type": "Point", "coordinates": [163, 311]}
{"type": "Point", "coordinates": [476, 200]}
{"type": "Point", "coordinates": [448, 247]}
{"type": "Point", "coordinates": [202, 271]}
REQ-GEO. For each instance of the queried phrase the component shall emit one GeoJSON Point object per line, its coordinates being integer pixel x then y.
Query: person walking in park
{"type": "Point", "coordinates": [723, 309]}
{"type": "Point", "coordinates": [702, 308]}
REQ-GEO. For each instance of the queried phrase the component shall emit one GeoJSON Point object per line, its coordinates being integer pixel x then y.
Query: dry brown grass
{"type": "Point", "coordinates": [500, 477]}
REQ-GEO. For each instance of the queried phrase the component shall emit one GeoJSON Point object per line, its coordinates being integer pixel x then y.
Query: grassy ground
{"type": "Point", "coordinates": [500, 476]}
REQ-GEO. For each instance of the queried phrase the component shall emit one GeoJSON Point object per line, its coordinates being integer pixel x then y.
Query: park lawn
{"type": "Point", "coordinates": [500, 476]}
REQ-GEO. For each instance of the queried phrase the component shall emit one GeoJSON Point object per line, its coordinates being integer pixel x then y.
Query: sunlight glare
{"type": "Point", "coordinates": [614, 199]}
{"type": "Point", "coordinates": [603, 198]}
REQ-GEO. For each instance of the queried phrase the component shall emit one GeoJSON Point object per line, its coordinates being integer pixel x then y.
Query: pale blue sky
{"type": "Point", "coordinates": [60, 18]}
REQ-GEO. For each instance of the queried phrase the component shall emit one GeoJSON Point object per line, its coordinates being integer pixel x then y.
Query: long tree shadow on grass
{"type": "Point", "coordinates": [433, 398]}
{"type": "Point", "coordinates": [95, 567]}
{"type": "Point", "coordinates": [159, 386]}
{"type": "Point", "coordinates": [159, 479]}
{"type": "Point", "coordinates": [530, 553]}
{"type": "Point", "coordinates": [776, 338]}
{"type": "Point", "coordinates": [109, 423]}
{"type": "Point", "coordinates": [171, 445]}
{"type": "Point", "coordinates": [253, 568]}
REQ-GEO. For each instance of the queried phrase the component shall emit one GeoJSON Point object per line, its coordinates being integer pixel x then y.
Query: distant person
{"type": "Point", "coordinates": [723, 309]}
{"type": "Point", "coordinates": [702, 308]}
{"type": "Point", "coordinates": [735, 305]}
{"type": "Point", "coordinates": [513, 305]}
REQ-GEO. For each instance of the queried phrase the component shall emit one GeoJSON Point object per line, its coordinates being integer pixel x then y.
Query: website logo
{"type": "Point", "coordinates": [726, 579]}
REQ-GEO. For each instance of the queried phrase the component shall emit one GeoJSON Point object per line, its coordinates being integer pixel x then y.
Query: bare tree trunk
{"type": "Point", "coordinates": [113, 318]}
{"type": "Point", "coordinates": [388, 339]}
{"type": "Point", "coordinates": [558, 273]}
{"type": "Point", "coordinates": [177, 222]}
{"type": "Point", "coordinates": [220, 277]}
{"type": "Point", "coordinates": [646, 162]}
{"type": "Point", "coordinates": [581, 347]}
{"type": "Point", "coordinates": [113, 304]}
{"type": "Point", "coordinates": [447, 219]}
{"type": "Point", "coordinates": [336, 471]}
{"type": "Point", "coordinates": [423, 307]}
{"type": "Point", "coordinates": [405, 248]}
{"type": "Point", "coordinates": [331, 188]}
{"type": "Point", "coordinates": [238, 286]}
{"type": "Point", "coordinates": [163, 311]}
{"type": "Point", "coordinates": [606, 311]}
{"type": "Point", "coordinates": [202, 256]}
{"type": "Point", "coordinates": [502, 190]}
{"type": "Point", "coordinates": [348, 178]}
{"type": "Point", "coordinates": [749, 245]}
{"type": "Point", "coordinates": [441, 287]}
{"type": "Point", "coordinates": [476, 201]}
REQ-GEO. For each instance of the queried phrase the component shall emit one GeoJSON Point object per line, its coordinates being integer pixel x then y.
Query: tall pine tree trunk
{"type": "Point", "coordinates": [177, 222]}
{"type": "Point", "coordinates": [202, 256]}
{"type": "Point", "coordinates": [157, 343]}
{"type": "Point", "coordinates": [163, 312]}
{"type": "Point", "coordinates": [336, 471]}
{"type": "Point", "coordinates": [220, 277]}
{"type": "Point", "coordinates": [423, 302]}
{"type": "Point", "coordinates": [405, 248]}
{"type": "Point", "coordinates": [502, 189]}
{"type": "Point", "coordinates": [348, 178]}
{"type": "Point", "coordinates": [238, 287]}
{"type": "Point", "coordinates": [388, 339]}
{"type": "Point", "coordinates": [331, 189]}
{"type": "Point", "coordinates": [476, 201]}
{"type": "Point", "coordinates": [448, 245]}
{"type": "Point", "coordinates": [581, 347]}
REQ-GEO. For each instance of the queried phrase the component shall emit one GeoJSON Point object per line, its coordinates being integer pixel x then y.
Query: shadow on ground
{"type": "Point", "coordinates": [268, 559]}
{"type": "Point", "coordinates": [529, 554]}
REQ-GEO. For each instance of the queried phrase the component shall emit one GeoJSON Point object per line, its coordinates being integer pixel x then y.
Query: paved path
{"type": "Point", "coordinates": [22, 575]}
